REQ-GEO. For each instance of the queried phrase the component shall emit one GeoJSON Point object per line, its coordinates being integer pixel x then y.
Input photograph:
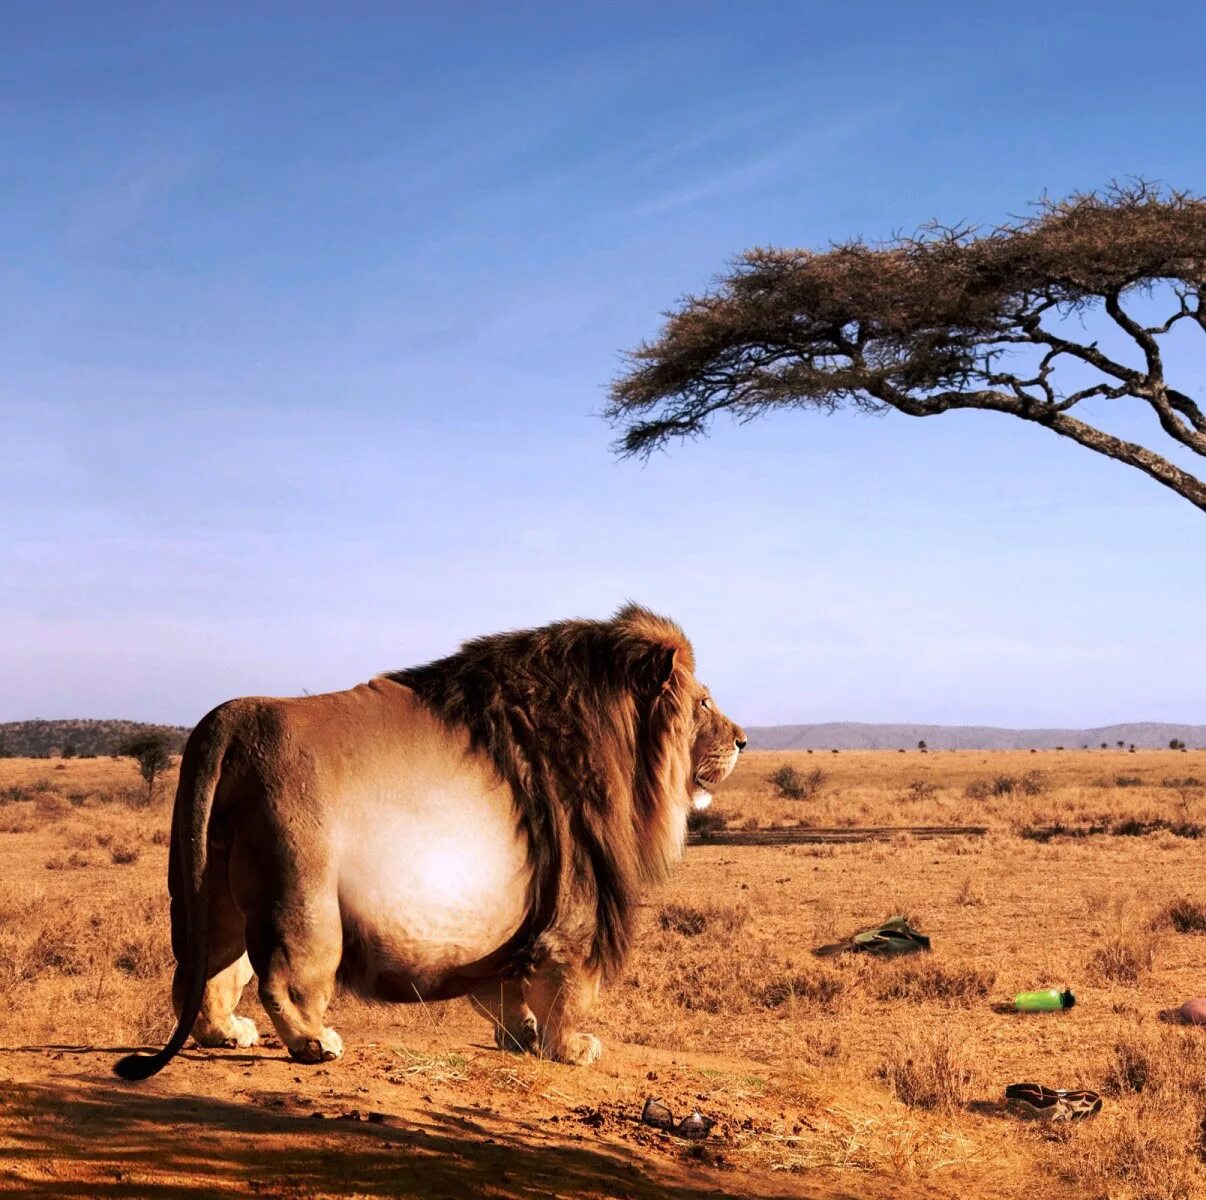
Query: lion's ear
{"type": "Point", "coordinates": [665, 660]}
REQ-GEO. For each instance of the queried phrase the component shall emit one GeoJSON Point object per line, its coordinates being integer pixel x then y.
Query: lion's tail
{"type": "Point", "coordinates": [200, 769]}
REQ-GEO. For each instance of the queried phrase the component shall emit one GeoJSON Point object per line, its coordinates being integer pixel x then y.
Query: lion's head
{"type": "Point", "coordinates": [716, 746]}
{"type": "Point", "coordinates": [605, 736]}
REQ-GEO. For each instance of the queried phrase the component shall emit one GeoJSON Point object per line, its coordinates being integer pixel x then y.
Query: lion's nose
{"type": "Point", "coordinates": [740, 742]}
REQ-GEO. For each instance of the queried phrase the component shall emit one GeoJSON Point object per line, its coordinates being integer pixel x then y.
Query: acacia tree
{"type": "Point", "coordinates": [952, 318]}
{"type": "Point", "coordinates": [152, 751]}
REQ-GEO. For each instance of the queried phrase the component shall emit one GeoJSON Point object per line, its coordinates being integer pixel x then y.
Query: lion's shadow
{"type": "Point", "coordinates": [142, 1142]}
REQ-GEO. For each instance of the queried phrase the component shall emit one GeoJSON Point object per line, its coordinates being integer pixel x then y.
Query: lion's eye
{"type": "Point", "coordinates": [705, 703]}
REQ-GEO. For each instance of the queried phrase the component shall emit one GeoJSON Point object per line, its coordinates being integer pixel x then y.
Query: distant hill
{"type": "Point", "coordinates": [49, 739]}
{"type": "Point", "coordinates": [42, 739]}
{"type": "Point", "coordinates": [849, 735]}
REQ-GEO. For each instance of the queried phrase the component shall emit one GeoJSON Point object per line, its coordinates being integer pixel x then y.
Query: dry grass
{"type": "Point", "coordinates": [888, 1061]}
{"type": "Point", "coordinates": [1124, 957]}
{"type": "Point", "coordinates": [930, 982]}
{"type": "Point", "coordinates": [927, 1068]}
{"type": "Point", "coordinates": [1182, 915]}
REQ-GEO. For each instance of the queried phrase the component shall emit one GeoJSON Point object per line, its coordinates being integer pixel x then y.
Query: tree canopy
{"type": "Point", "coordinates": [950, 318]}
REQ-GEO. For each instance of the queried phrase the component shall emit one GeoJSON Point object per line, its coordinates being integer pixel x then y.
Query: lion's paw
{"type": "Point", "coordinates": [521, 1040]}
{"type": "Point", "coordinates": [325, 1048]}
{"type": "Point", "coordinates": [233, 1033]}
{"type": "Point", "coordinates": [242, 1033]}
{"type": "Point", "coordinates": [581, 1050]}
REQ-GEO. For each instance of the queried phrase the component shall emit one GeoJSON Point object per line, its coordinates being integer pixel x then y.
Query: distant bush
{"type": "Point", "coordinates": [705, 820]}
{"type": "Point", "coordinates": [1184, 915]}
{"type": "Point", "coordinates": [51, 804]}
{"type": "Point", "coordinates": [794, 784]}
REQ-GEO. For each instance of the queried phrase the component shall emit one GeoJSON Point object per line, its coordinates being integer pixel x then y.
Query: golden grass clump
{"type": "Point", "coordinates": [1147, 1149]}
{"type": "Point", "coordinates": [1124, 956]}
{"type": "Point", "coordinates": [818, 987]}
{"type": "Point", "coordinates": [929, 1068]}
{"type": "Point", "coordinates": [1182, 915]}
{"type": "Point", "coordinates": [690, 921]}
{"type": "Point", "coordinates": [924, 980]}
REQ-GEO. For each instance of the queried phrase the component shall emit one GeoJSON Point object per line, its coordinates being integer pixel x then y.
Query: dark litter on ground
{"type": "Point", "coordinates": [1033, 1102]}
{"type": "Point", "coordinates": [892, 938]}
{"type": "Point", "coordinates": [694, 1127]}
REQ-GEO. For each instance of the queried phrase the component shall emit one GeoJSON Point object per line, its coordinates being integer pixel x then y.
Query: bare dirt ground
{"type": "Point", "coordinates": [842, 1077]}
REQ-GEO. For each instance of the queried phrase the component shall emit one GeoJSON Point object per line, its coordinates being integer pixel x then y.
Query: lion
{"type": "Point", "coordinates": [481, 826]}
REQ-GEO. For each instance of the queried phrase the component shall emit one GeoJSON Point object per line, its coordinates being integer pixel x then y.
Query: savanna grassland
{"type": "Point", "coordinates": [830, 1077]}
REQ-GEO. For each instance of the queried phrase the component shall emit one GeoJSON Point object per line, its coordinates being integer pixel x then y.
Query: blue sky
{"type": "Point", "coordinates": [310, 311]}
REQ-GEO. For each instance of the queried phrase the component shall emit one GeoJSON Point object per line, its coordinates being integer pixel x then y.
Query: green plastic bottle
{"type": "Point", "coordinates": [1048, 1000]}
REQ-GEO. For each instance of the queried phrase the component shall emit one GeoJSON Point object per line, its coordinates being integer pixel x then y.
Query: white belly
{"type": "Point", "coordinates": [432, 882]}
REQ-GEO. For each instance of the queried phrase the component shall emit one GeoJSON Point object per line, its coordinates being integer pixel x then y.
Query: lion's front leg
{"type": "Point", "coordinates": [514, 1022]}
{"type": "Point", "coordinates": [560, 994]}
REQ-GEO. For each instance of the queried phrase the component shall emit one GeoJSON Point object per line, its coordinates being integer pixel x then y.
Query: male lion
{"type": "Point", "coordinates": [479, 826]}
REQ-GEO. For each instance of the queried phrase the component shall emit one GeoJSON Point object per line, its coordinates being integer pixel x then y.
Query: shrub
{"type": "Point", "coordinates": [1127, 781]}
{"type": "Point", "coordinates": [1003, 785]}
{"type": "Point", "coordinates": [1183, 915]}
{"type": "Point", "coordinates": [124, 856]}
{"type": "Point", "coordinates": [691, 921]}
{"type": "Point", "coordinates": [926, 1069]}
{"type": "Point", "coordinates": [699, 820]}
{"type": "Point", "coordinates": [1124, 957]}
{"type": "Point", "coordinates": [143, 957]}
{"type": "Point", "coordinates": [820, 988]}
{"type": "Point", "coordinates": [51, 804]}
{"type": "Point", "coordinates": [793, 784]}
{"type": "Point", "coordinates": [73, 862]}
{"type": "Point", "coordinates": [1131, 1065]}
{"type": "Point", "coordinates": [922, 981]}
{"type": "Point", "coordinates": [682, 918]}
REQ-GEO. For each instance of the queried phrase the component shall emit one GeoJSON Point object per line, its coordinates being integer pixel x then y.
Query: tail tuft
{"type": "Point", "coordinates": [138, 1066]}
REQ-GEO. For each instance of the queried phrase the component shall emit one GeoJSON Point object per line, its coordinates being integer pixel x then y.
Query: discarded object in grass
{"type": "Point", "coordinates": [1192, 1012]}
{"type": "Point", "coordinates": [891, 938]}
{"type": "Point", "coordinates": [1047, 1000]}
{"type": "Point", "coordinates": [658, 1116]}
{"type": "Point", "coordinates": [1034, 1102]}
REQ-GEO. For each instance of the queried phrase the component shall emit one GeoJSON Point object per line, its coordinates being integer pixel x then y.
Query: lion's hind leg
{"type": "Point", "coordinates": [218, 1024]}
{"type": "Point", "coordinates": [502, 1001]}
{"type": "Point", "coordinates": [228, 969]}
{"type": "Point", "coordinates": [295, 945]}
{"type": "Point", "coordinates": [560, 995]}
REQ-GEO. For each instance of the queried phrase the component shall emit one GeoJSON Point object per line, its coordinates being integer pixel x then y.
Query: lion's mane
{"type": "Point", "coordinates": [590, 724]}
